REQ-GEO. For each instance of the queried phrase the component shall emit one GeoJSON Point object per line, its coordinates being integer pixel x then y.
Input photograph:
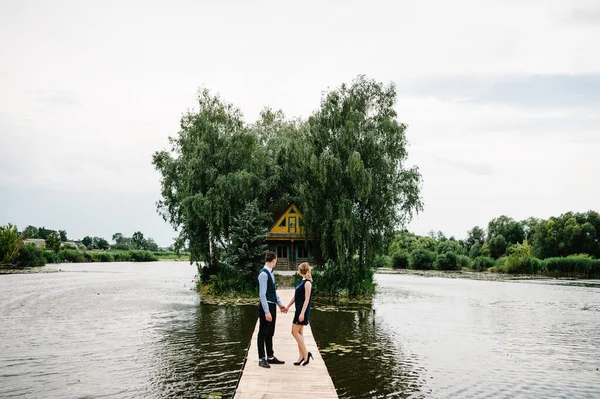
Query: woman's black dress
{"type": "Point", "coordinates": [299, 298]}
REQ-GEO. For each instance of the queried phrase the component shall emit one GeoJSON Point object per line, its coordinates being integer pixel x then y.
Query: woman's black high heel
{"type": "Point", "coordinates": [298, 363]}
{"type": "Point", "coordinates": [308, 359]}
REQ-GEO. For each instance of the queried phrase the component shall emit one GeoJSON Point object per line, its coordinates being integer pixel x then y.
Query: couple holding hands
{"type": "Point", "coordinates": [267, 312]}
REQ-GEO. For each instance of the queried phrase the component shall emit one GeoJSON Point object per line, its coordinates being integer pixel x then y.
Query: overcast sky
{"type": "Point", "coordinates": [501, 98]}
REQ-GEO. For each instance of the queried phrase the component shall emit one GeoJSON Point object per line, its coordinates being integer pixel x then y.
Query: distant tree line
{"type": "Point", "coordinates": [568, 245]}
{"type": "Point", "coordinates": [15, 250]}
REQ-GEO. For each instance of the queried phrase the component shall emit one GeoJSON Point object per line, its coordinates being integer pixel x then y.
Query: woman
{"type": "Point", "coordinates": [302, 297]}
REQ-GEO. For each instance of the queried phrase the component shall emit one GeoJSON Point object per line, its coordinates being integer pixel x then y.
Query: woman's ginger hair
{"type": "Point", "coordinates": [305, 271]}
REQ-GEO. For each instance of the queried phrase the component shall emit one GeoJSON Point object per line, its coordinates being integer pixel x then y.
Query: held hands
{"type": "Point", "coordinates": [284, 309]}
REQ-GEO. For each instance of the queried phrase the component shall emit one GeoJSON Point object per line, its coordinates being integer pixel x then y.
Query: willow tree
{"type": "Point", "coordinates": [215, 166]}
{"type": "Point", "coordinates": [358, 186]}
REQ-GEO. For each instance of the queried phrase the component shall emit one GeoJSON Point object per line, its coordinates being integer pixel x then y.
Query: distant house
{"type": "Point", "coordinates": [288, 239]}
{"type": "Point", "coordinates": [38, 242]}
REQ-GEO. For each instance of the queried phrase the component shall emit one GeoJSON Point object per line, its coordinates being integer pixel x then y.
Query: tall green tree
{"type": "Point", "coordinates": [53, 241]}
{"type": "Point", "coordinates": [215, 166]}
{"type": "Point", "coordinates": [63, 235]}
{"type": "Point", "coordinates": [497, 246]}
{"type": "Point", "coordinates": [31, 232]}
{"type": "Point", "coordinates": [101, 243]}
{"type": "Point", "coordinates": [511, 230]}
{"type": "Point", "coordinates": [358, 184]}
{"type": "Point", "coordinates": [138, 240]}
{"type": "Point", "coordinates": [87, 241]}
{"type": "Point", "coordinates": [9, 243]}
{"type": "Point", "coordinates": [245, 253]}
{"type": "Point", "coordinates": [475, 236]}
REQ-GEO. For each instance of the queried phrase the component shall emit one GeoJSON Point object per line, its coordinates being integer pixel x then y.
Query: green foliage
{"type": "Point", "coordinates": [138, 240]}
{"type": "Point", "coordinates": [151, 245]}
{"type": "Point", "coordinates": [245, 254]}
{"type": "Point", "coordinates": [463, 262]}
{"type": "Point", "coordinates": [142, 256]}
{"type": "Point", "coordinates": [101, 243]}
{"type": "Point", "coordinates": [519, 260]}
{"type": "Point", "coordinates": [63, 235]}
{"type": "Point", "coordinates": [215, 167]}
{"type": "Point", "coordinates": [87, 241]}
{"type": "Point", "coordinates": [345, 167]}
{"type": "Point", "coordinates": [30, 256]}
{"type": "Point", "coordinates": [475, 250]}
{"type": "Point", "coordinates": [446, 261]}
{"type": "Point", "coordinates": [497, 246]}
{"type": "Point", "coordinates": [31, 232]}
{"type": "Point", "coordinates": [335, 280]}
{"type": "Point", "coordinates": [568, 234]}
{"type": "Point", "coordinates": [400, 260]}
{"type": "Point", "coordinates": [475, 236]}
{"type": "Point", "coordinates": [53, 241]}
{"type": "Point", "coordinates": [357, 184]}
{"type": "Point", "coordinates": [482, 263]}
{"type": "Point", "coordinates": [231, 286]}
{"type": "Point", "coordinates": [573, 266]}
{"type": "Point", "coordinates": [383, 261]}
{"type": "Point", "coordinates": [508, 228]}
{"type": "Point", "coordinates": [9, 243]}
{"type": "Point", "coordinates": [422, 259]}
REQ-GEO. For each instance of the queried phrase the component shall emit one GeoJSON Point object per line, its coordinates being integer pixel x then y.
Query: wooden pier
{"type": "Point", "coordinates": [285, 380]}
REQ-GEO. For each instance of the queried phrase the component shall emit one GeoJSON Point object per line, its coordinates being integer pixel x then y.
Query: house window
{"type": "Point", "coordinates": [302, 252]}
{"type": "Point", "coordinates": [282, 224]}
{"type": "Point", "coordinates": [282, 252]}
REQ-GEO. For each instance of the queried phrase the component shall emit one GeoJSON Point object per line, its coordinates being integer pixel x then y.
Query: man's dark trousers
{"type": "Point", "coordinates": [266, 330]}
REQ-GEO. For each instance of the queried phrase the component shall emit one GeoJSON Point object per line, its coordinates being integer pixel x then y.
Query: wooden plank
{"type": "Point", "coordinates": [285, 380]}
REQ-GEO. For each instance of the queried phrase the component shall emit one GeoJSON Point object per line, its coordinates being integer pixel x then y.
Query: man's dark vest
{"type": "Point", "coordinates": [271, 295]}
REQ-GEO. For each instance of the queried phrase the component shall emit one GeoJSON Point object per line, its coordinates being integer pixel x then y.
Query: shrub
{"type": "Point", "coordinates": [89, 257]}
{"type": "Point", "coordinates": [52, 257]}
{"type": "Point", "coordinates": [421, 259]}
{"type": "Point", "coordinates": [122, 256]}
{"type": "Point", "coordinates": [30, 256]}
{"type": "Point", "coordinates": [9, 243]}
{"type": "Point", "coordinates": [445, 261]}
{"type": "Point", "coordinates": [105, 257]}
{"type": "Point", "coordinates": [463, 262]}
{"type": "Point", "coordinates": [142, 256]}
{"type": "Point", "coordinates": [482, 263]}
{"type": "Point", "coordinates": [383, 261]}
{"type": "Point", "coordinates": [400, 260]}
{"type": "Point", "coordinates": [572, 266]}
{"type": "Point", "coordinates": [72, 256]}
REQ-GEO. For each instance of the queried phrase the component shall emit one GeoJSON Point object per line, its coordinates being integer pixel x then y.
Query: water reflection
{"type": "Point", "coordinates": [201, 353]}
{"type": "Point", "coordinates": [365, 359]}
{"type": "Point", "coordinates": [117, 330]}
{"type": "Point", "coordinates": [454, 338]}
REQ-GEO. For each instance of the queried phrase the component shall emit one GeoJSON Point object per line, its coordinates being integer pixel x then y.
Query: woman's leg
{"type": "Point", "coordinates": [296, 332]}
{"type": "Point", "coordinates": [301, 344]}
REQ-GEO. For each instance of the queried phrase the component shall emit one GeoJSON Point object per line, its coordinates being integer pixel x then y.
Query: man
{"type": "Point", "coordinates": [267, 312]}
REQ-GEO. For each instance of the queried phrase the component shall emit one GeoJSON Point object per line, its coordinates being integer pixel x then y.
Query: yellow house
{"type": "Point", "coordinates": [288, 239]}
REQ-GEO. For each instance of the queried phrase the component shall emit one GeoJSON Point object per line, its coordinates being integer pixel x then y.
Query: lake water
{"type": "Point", "coordinates": [127, 330]}
{"type": "Point", "coordinates": [119, 330]}
{"type": "Point", "coordinates": [456, 338]}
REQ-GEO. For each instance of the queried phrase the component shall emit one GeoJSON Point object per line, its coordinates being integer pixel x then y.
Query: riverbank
{"type": "Point", "coordinates": [26, 270]}
{"type": "Point", "coordinates": [470, 275]}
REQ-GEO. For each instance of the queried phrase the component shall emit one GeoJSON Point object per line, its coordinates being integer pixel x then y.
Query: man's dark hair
{"type": "Point", "coordinates": [270, 256]}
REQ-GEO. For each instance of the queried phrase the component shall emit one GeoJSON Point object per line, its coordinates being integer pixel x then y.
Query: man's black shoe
{"type": "Point", "coordinates": [274, 360]}
{"type": "Point", "coordinates": [264, 363]}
